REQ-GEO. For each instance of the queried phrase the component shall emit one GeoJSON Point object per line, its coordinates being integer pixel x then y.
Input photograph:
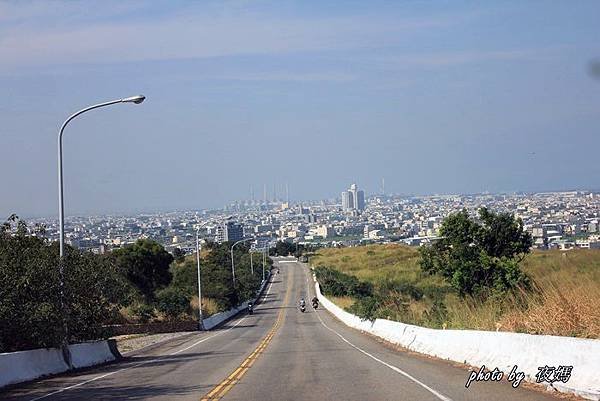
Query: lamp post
{"type": "Point", "coordinates": [61, 207]}
{"type": "Point", "coordinates": [232, 261]}
{"type": "Point", "coordinates": [264, 261]}
{"type": "Point", "coordinates": [198, 250]}
{"type": "Point", "coordinates": [200, 320]}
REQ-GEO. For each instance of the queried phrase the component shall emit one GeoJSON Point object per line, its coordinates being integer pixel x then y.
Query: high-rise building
{"type": "Point", "coordinates": [360, 200]}
{"type": "Point", "coordinates": [347, 201]}
{"type": "Point", "coordinates": [353, 199]}
{"type": "Point", "coordinates": [230, 231]}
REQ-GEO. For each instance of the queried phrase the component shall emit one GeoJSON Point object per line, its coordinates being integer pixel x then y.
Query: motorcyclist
{"type": "Point", "coordinates": [315, 302]}
{"type": "Point", "coordinates": [250, 308]}
{"type": "Point", "coordinates": [302, 302]}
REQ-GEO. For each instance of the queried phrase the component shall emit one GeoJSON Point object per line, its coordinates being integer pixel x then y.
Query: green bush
{"type": "Point", "coordinates": [172, 302]}
{"type": "Point", "coordinates": [366, 308]}
{"type": "Point", "coordinates": [338, 284]}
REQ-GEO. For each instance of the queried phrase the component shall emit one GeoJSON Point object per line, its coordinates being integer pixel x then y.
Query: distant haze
{"type": "Point", "coordinates": [434, 97]}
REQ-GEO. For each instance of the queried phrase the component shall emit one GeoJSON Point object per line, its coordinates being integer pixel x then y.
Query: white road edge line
{"type": "Point", "coordinates": [394, 368]}
{"type": "Point", "coordinates": [145, 362]}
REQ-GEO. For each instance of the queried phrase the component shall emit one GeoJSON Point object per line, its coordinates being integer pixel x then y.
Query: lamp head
{"type": "Point", "coordinates": [134, 99]}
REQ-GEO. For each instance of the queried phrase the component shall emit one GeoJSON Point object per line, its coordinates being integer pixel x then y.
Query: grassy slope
{"type": "Point", "coordinates": [566, 301]}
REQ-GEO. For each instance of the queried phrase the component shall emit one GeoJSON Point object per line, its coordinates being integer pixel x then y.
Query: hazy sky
{"type": "Point", "coordinates": [435, 97]}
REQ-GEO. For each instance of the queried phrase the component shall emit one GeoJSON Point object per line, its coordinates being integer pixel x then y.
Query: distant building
{"type": "Point", "coordinates": [325, 231]}
{"type": "Point", "coordinates": [230, 231]}
{"type": "Point", "coordinates": [310, 218]}
{"type": "Point", "coordinates": [347, 201]}
{"type": "Point", "coordinates": [353, 199]}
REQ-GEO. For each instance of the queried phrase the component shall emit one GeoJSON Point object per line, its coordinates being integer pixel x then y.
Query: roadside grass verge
{"type": "Point", "coordinates": [564, 301]}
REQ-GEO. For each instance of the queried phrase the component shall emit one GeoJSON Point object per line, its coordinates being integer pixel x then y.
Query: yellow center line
{"type": "Point", "coordinates": [223, 388]}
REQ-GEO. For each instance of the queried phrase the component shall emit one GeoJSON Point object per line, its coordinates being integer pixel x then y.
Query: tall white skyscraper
{"type": "Point", "coordinates": [353, 199]}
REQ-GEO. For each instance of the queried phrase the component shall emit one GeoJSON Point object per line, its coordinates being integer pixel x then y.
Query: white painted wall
{"type": "Point", "coordinates": [21, 366]}
{"type": "Point", "coordinates": [492, 349]}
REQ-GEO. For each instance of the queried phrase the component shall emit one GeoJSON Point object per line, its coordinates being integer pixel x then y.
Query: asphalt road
{"type": "Point", "coordinates": [278, 353]}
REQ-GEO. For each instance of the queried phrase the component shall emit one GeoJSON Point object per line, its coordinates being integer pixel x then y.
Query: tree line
{"type": "Point", "coordinates": [141, 279]}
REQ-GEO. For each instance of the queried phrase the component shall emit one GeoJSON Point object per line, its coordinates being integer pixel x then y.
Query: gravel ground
{"type": "Point", "coordinates": [132, 342]}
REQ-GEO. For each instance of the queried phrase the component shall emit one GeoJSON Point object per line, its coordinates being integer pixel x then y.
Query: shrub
{"type": "Point", "coordinates": [172, 302]}
{"type": "Point", "coordinates": [143, 312]}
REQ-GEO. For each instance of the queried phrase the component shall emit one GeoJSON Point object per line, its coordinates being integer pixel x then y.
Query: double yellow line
{"type": "Point", "coordinates": [223, 388]}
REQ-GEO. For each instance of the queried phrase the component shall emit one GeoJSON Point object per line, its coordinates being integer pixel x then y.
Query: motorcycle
{"type": "Point", "coordinates": [315, 305]}
{"type": "Point", "coordinates": [302, 308]}
{"type": "Point", "coordinates": [250, 309]}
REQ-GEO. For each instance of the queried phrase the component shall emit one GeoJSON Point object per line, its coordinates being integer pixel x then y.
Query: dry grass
{"type": "Point", "coordinates": [570, 308]}
{"type": "Point", "coordinates": [342, 302]}
{"type": "Point", "coordinates": [565, 300]}
{"type": "Point", "coordinates": [209, 306]}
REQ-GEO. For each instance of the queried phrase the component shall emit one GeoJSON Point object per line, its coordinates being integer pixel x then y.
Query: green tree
{"type": "Point", "coordinates": [178, 255]}
{"type": "Point", "coordinates": [479, 257]}
{"type": "Point", "coordinates": [284, 248]}
{"type": "Point", "coordinates": [217, 282]}
{"type": "Point", "coordinates": [30, 307]}
{"type": "Point", "coordinates": [146, 265]}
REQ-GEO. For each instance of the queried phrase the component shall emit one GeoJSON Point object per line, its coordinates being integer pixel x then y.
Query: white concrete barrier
{"type": "Point", "coordinates": [89, 354]}
{"type": "Point", "coordinates": [218, 318]}
{"type": "Point", "coordinates": [21, 366]}
{"type": "Point", "coordinates": [492, 349]}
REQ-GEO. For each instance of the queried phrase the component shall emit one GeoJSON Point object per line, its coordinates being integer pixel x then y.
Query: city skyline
{"type": "Point", "coordinates": [227, 204]}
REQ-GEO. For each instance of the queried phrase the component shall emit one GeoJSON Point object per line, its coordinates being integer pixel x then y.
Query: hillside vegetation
{"type": "Point", "coordinates": [563, 299]}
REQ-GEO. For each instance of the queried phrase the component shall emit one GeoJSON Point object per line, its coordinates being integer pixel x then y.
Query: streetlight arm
{"type": "Point", "coordinates": [134, 99]}
{"type": "Point", "coordinates": [232, 262]}
{"type": "Point", "coordinates": [72, 116]}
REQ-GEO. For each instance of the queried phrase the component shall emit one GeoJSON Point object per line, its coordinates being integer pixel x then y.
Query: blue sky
{"type": "Point", "coordinates": [435, 97]}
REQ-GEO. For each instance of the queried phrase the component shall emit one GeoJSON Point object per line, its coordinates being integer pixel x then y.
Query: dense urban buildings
{"type": "Point", "coordinates": [561, 220]}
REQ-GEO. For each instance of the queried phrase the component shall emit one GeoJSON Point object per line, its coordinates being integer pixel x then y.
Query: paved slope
{"type": "Point", "coordinates": [279, 354]}
{"type": "Point", "coordinates": [316, 357]}
{"type": "Point", "coordinates": [185, 368]}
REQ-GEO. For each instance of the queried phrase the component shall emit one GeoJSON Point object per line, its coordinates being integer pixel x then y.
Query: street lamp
{"type": "Point", "coordinates": [264, 261]}
{"type": "Point", "coordinates": [232, 262]}
{"type": "Point", "coordinates": [133, 99]}
{"type": "Point", "coordinates": [61, 207]}
{"type": "Point", "coordinates": [200, 320]}
{"type": "Point", "coordinates": [198, 249]}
